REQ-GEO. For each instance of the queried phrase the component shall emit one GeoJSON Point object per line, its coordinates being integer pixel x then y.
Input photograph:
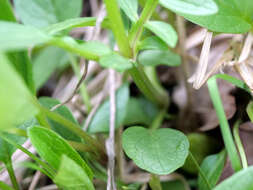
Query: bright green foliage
{"type": "Point", "coordinates": [164, 31]}
{"type": "Point", "coordinates": [212, 167]}
{"type": "Point", "coordinates": [42, 13]}
{"type": "Point", "coordinates": [100, 121]}
{"type": "Point", "coordinates": [71, 176]}
{"type": "Point", "coordinates": [130, 8]}
{"type": "Point", "coordinates": [232, 17]}
{"type": "Point", "coordinates": [45, 63]}
{"type": "Point", "coordinates": [240, 180]}
{"type": "Point", "coordinates": [66, 113]}
{"type": "Point", "coordinates": [17, 103]}
{"type": "Point", "coordinates": [160, 152]}
{"type": "Point", "coordinates": [17, 37]}
{"type": "Point", "coordinates": [69, 24]}
{"type": "Point", "coordinates": [191, 7]}
{"type": "Point", "coordinates": [51, 147]}
{"type": "Point", "coordinates": [140, 111]}
{"type": "Point", "coordinates": [159, 57]}
{"type": "Point", "coordinates": [152, 42]}
{"type": "Point", "coordinates": [6, 11]}
{"type": "Point", "coordinates": [5, 186]}
{"type": "Point", "coordinates": [115, 61]}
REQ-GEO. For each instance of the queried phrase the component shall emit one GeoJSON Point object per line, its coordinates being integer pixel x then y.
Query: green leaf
{"type": "Point", "coordinates": [240, 180]}
{"type": "Point", "coordinates": [173, 185]}
{"type": "Point", "coordinates": [160, 152]}
{"type": "Point", "coordinates": [212, 167]}
{"type": "Point", "coordinates": [152, 42]}
{"type": "Point", "coordinates": [66, 113]}
{"type": "Point", "coordinates": [17, 103]}
{"type": "Point", "coordinates": [140, 111]}
{"type": "Point", "coordinates": [5, 186]}
{"type": "Point", "coordinates": [50, 146]}
{"type": "Point", "coordinates": [230, 18]}
{"type": "Point", "coordinates": [130, 8]}
{"type": "Point", "coordinates": [45, 63]}
{"type": "Point", "coordinates": [42, 13]}
{"type": "Point", "coordinates": [6, 12]}
{"type": "Point", "coordinates": [16, 36]}
{"type": "Point", "coordinates": [191, 7]}
{"type": "Point", "coordinates": [71, 176]}
{"type": "Point", "coordinates": [69, 24]}
{"type": "Point", "coordinates": [164, 31]}
{"type": "Point", "coordinates": [100, 121]}
{"type": "Point", "coordinates": [115, 61]}
{"type": "Point", "coordinates": [159, 57]}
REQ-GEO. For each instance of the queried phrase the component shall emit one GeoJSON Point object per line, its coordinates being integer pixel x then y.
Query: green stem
{"type": "Point", "coordinates": [11, 172]}
{"type": "Point", "coordinates": [224, 126]}
{"type": "Point", "coordinates": [201, 173]}
{"type": "Point", "coordinates": [155, 183]}
{"type": "Point", "coordinates": [250, 110]}
{"type": "Point", "coordinates": [239, 144]}
{"type": "Point", "coordinates": [158, 120]}
{"type": "Point", "coordinates": [83, 89]}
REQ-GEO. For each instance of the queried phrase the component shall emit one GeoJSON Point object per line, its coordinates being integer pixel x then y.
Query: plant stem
{"type": "Point", "coordinates": [202, 175]}
{"type": "Point", "coordinates": [158, 120]}
{"type": "Point", "coordinates": [155, 183]}
{"type": "Point", "coordinates": [11, 172]}
{"type": "Point", "coordinates": [239, 144]}
{"type": "Point", "coordinates": [83, 90]}
{"type": "Point", "coordinates": [224, 126]}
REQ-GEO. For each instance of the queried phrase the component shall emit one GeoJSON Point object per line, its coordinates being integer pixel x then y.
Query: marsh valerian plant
{"type": "Point", "coordinates": [73, 157]}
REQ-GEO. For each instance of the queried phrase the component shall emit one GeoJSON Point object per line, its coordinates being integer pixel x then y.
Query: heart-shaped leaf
{"type": "Point", "coordinates": [164, 31]}
{"type": "Point", "coordinates": [161, 151]}
{"type": "Point", "coordinates": [191, 7]}
{"type": "Point", "coordinates": [50, 146]}
{"type": "Point", "coordinates": [41, 13]}
{"type": "Point", "coordinates": [130, 8]}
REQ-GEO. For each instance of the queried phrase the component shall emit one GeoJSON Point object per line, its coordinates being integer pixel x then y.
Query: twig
{"type": "Point", "coordinates": [35, 180]}
{"type": "Point", "coordinates": [110, 142]}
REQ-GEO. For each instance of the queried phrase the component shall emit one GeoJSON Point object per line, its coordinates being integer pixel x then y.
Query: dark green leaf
{"type": "Point", "coordinates": [71, 176]}
{"type": "Point", "coordinates": [45, 63]}
{"type": "Point", "coordinates": [173, 185]}
{"type": "Point", "coordinates": [115, 61]}
{"type": "Point", "coordinates": [159, 57]}
{"type": "Point", "coordinates": [17, 103]}
{"type": "Point", "coordinates": [212, 167]}
{"type": "Point", "coordinates": [191, 7]}
{"type": "Point", "coordinates": [16, 36]}
{"type": "Point", "coordinates": [161, 151]}
{"type": "Point", "coordinates": [240, 180]}
{"type": "Point", "coordinates": [50, 146]}
{"type": "Point", "coordinates": [231, 17]}
{"type": "Point", "coordinates": [6, 12]}
{"type": "Point", "coordinates": [164, 31]}
{"type": "Point", "coordinates": [140, 111]}
{"type": "Point", "coordinates": [152, 42]}
{"type": "Point", "coordinates": [66, 113]}
{"type": "Point", "coordinates": [42, 13]}
{"type": "Point", "coordinates": [130, 8]}
{"type": "Point", "coordinates": [69, 24]}
{"type": "Point", "coordinates": [100, 121]}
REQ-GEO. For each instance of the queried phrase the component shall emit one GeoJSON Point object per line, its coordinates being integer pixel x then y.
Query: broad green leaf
{"type": "Point", "coordinates": [159, 151]}
{"type": "Point", "coordinates": [201, 146]}
{"type": "Point", "coordinates": [231, 17]}
{"type": "Point", "coordinates": [100, 121]}
{"type": "Point", "coordinates": [71, 176]}
{"type": "Point", "coordinates": [191, 7]}
{"type": "Point", "coordinates": [66, 113]}
{"type": "Point", "coordinates": [140, 111]}
{"type": "Point", "coordinates": [164, 31]}
{"type": "Point", "coordinates": [69, 24]}
{"type": "Point", "coordinates": [212, 167]}
{"type": "Point", "coordinates": [45, 63]}
{"type": "Point", "coordinates": [17, 105]}
{"type": "Point", "coordinates": [159, 57]}
{"type": "Point", "coordinates": [6, 12]}
{"type": "Point", "coordinates": [17, 37]}
{"type": "Point", "coordinates": [240, 180]}
{"type": "Point", "coordinates": [173, 185]}
{"type": "Point", "coordinates": [130, 8]}
{"type": "Point", "coordinates": [152, 42]}
{"type": "Point", "coordinates": [115, 61]}
{"type": "Point", "coordinates": [4, 186]}
{"type": "Point", "coordinates": [50, 146]}
{"type": "Point", "coordinates": [42, 13]}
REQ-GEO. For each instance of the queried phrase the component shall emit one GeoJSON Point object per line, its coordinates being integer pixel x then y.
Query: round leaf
{"type": "Point", "coordinates": [160, 152]}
